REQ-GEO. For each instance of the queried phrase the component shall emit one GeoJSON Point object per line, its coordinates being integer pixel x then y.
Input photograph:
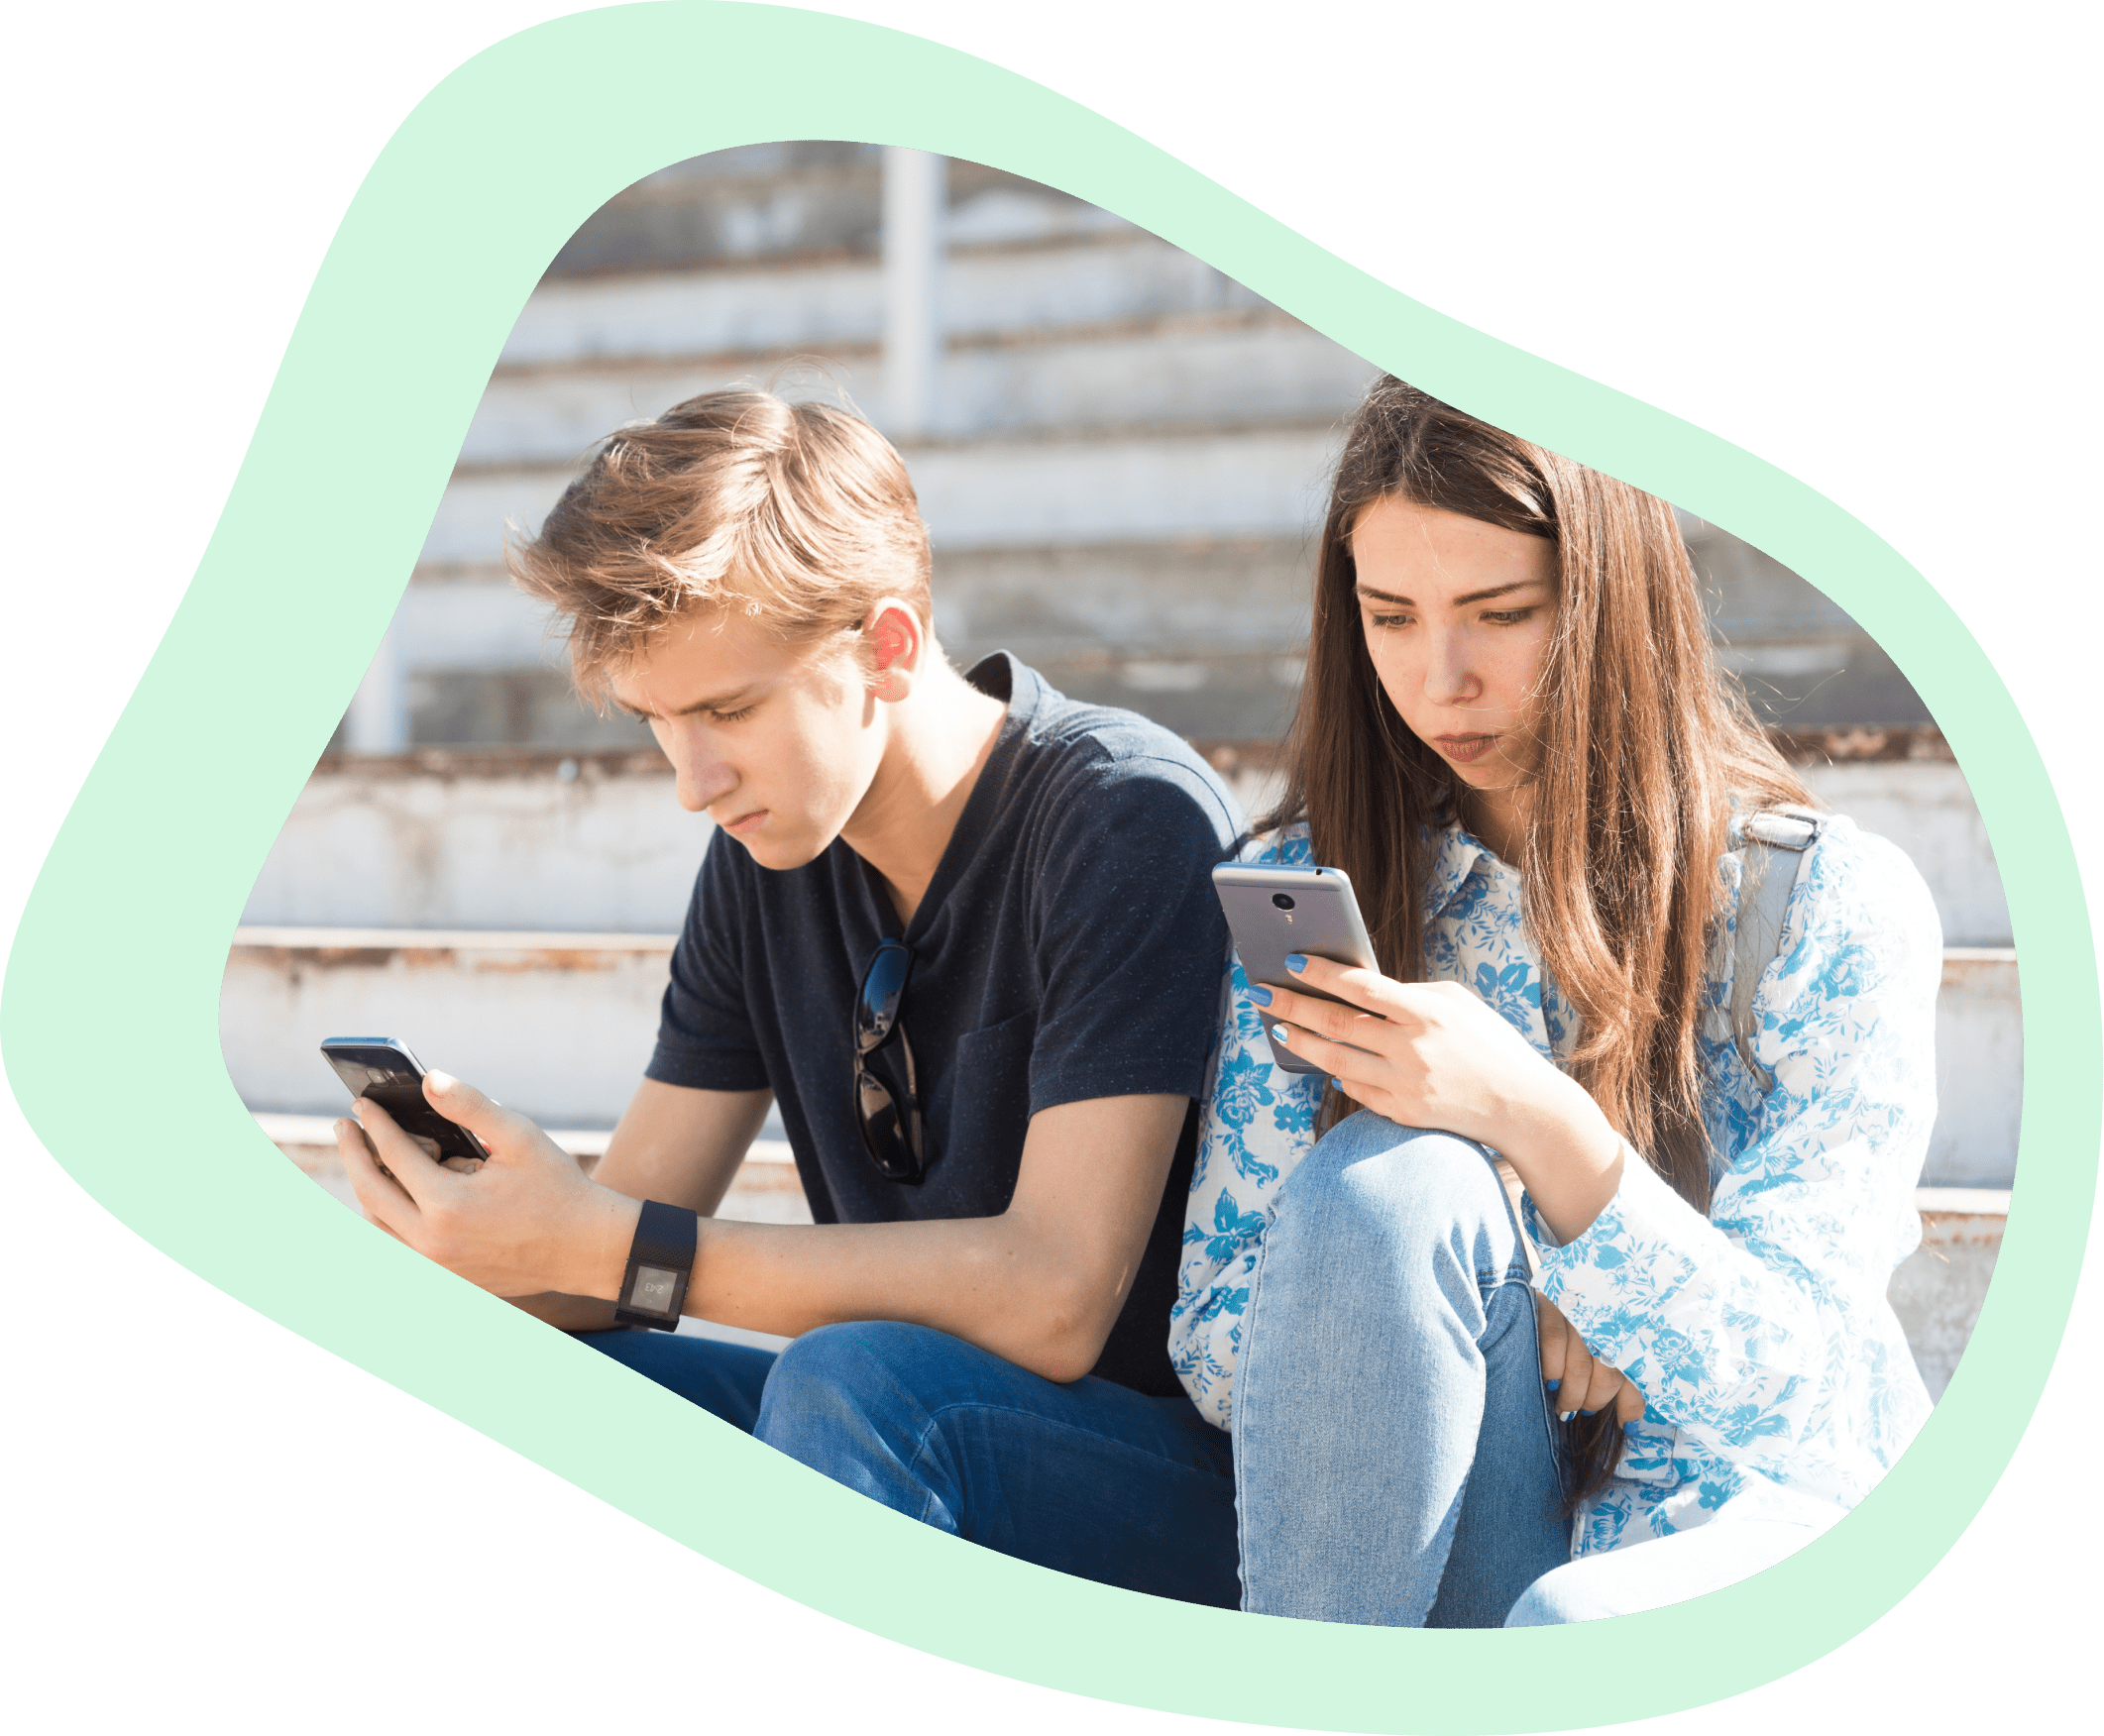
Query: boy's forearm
{"type": "Point", "coordinates": [1041, 1284]}
{"type": "Point", "coordinates": [567, 1313]}
{"type": "Point", "coordinates": [981, 1279]}
{"type": "Point", "coordinates": [785, 1280]}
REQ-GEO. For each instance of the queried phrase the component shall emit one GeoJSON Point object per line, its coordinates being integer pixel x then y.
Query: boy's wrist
{"type": "Point", "coordinates": [596, 1255]}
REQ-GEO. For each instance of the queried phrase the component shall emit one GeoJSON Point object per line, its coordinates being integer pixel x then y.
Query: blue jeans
{"type": "Point", "coordinates": [1091, 1478]}
{"type": "Point", "coordinates": [1395, 1457]}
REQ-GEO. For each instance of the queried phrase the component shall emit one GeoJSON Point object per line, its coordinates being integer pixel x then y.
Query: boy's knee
{"type": "Point", "coordinates": [832, 1368]}
{"type": "Point", "coordinates": [835, 1401]}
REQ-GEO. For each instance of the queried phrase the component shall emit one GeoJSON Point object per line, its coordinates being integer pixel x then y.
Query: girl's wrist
{"type": "Point", "coordinates": [1569, 1159]}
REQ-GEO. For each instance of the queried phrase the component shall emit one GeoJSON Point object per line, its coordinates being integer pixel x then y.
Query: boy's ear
{"type": "Point", "coordinates": [895, 639]}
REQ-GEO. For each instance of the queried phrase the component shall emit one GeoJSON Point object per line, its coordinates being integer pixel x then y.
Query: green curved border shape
{"type": "Point", "coordinates": [441, 246]}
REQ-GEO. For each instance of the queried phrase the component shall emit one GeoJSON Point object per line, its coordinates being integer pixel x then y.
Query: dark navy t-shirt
{"type": "Point", "coordinates": [1068, 947]}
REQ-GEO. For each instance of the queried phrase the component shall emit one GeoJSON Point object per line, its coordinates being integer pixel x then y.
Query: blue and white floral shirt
{"type": "Point", "coordinates": [1778, 1380]}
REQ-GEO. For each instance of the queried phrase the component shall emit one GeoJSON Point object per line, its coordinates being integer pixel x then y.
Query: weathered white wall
{"type": "Point", "coordinates": [713, 312]}
{"type": "Point", "coordinates": [1926, 809]}
{"type": "Point", "coordinates": [1018, 493]}
{"type": "Point", "coordinates": [512, 845]}
{"type": "Point", "coordinates": [1231, 366]}
{"type": "Point", "coordinates": [559, 1031]}
{"type": "Point", "coordinates": [381, 846]}
{"type": "Point", "coordinates": [1938, 1291]}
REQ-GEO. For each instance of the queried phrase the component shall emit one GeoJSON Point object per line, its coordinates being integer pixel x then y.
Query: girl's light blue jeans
{"type": "Point", "coordinates": [1395, 1455]}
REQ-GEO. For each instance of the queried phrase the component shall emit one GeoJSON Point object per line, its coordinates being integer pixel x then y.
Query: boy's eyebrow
{"type": "Point", "coordinates": [713, 703]}
{"type": "Point", "coordinates": [1368, 591]}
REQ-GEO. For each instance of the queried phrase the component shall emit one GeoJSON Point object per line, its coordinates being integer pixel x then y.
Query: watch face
{"type": "Point", "coordinates": [653, 1290]}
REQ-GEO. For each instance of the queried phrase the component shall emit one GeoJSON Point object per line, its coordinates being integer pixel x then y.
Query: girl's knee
{"type": "Point", "coordinates": [1554, 1599]}
{"type": "Point", "coordinates": [1368, 1163]}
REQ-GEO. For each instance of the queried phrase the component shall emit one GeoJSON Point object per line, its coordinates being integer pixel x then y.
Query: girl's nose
{"type": "Point", "coordinates": [1449, 679]}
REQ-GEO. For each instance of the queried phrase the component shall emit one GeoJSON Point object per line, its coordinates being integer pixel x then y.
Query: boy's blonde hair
{"type": "Point", "coordinates": [798, 514]}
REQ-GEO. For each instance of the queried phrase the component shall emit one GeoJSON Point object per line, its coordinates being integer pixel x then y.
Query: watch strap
{"type": "Point", "coordinates": [660, 1262]}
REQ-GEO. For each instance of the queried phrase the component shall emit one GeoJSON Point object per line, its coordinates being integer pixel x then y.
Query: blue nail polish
{"type": "Point", "coordinates": [1630, 1424]}
{"type": "Point", "coordinates": [1554, 1384]}
{"type": "Point", "coordinates": [1260, 994]}
{"type": "Point", "coordinates": [1280, 1031]}
{"type": "Point", "coordinates": [1589, 1413]}
{"type": "Point", "coordinates": [1297, 962]}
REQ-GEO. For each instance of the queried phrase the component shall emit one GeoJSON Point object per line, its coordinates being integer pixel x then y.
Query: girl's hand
{"type": "Point", "coordinates": [1576, 1380]}
{"type": "Point", "coordinates": [1436, 1055]}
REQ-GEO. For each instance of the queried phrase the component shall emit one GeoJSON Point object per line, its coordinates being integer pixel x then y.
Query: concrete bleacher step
{"type": "Point", "coordinates": [1123, 443]}
{"type": "Point", "coordinates": [560, 1026]}
{"type": "Point", "coordinates": [765, 1189]}
{"type": "Point", "coordinates": [1119, 276]}
{"type": "Point", "coordinates": [1936, 1292]}
{"type": "Point", "coordinates": [1236, 365]}
{"type": "Point", "coordinates": [1259, 480]}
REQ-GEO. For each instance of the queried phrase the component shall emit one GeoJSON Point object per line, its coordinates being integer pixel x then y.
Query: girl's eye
{"type": "Point", "coordinates": [1507, 618]}
{"type": "Point", "coordinates": [1387, 621]}
{"type": "Point", "coordinates": [739, 714]}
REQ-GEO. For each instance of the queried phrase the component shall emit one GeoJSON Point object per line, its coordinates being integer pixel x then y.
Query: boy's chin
{"type": "Point", "coordinates": [781, 850]}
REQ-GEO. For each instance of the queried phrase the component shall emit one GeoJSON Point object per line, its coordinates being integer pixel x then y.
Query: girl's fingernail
{"type": "Point", "coordinates": [1260, 994]}
{"type": "Point", "coordinates": [1554, 1384]}
{"type": "Point", "coordinates": [1591, 1413]}
{"type": "Point", "coordinates": [1565, 1416]}
{"type": "Point", "coordinates": [1630, 1424]}
{"type": "Point", "coordinates": [1297, 962]}
{"type": "Point", "coordinates": [1280, 1031]}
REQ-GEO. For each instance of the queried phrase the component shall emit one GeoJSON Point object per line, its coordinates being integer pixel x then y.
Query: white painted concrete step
{"type": "Point", "coordinates": [1123, 274]}
{"type": "Point", "coordinates": [1262, 480]}
{"type": "Point", "coordinates": [561, 1025]}
{"type": "Point", "coordinates": [1231, 368]}
{"type": "Point", "coordinates": [1936, 1292]}
{"type": "Point", "coordinates": [596, 842]}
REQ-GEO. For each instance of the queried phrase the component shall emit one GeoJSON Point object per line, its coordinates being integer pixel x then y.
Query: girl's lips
{"type": "Point", "coordinates": [1462, 749]}
{"type": "Point", "coordinates": [746, 822]}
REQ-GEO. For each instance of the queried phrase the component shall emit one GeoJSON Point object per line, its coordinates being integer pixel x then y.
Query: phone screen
{"type": "Point", "coordinates": [387, 1073]}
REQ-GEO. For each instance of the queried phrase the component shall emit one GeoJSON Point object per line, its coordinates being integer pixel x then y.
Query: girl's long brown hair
{"type": "Point", "coordinates": [1643, 747]}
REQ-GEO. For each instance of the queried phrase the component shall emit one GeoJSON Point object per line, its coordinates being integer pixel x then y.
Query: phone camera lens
{"type": "Point", "coordinates": [1283, 900]}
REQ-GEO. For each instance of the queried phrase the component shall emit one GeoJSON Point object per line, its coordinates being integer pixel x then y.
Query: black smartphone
{"type": "Point", "coordinates": [1274, 911]}
{"type": "Point", "coordinates": [384, 1069]}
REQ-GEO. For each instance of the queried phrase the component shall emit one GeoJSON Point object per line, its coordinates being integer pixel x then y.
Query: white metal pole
{"type": "Point", "coordinates": [915, 192]}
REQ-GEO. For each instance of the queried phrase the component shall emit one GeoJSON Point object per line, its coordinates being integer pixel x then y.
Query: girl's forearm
{"type": "Point", "coordinates": [1568, 1155]}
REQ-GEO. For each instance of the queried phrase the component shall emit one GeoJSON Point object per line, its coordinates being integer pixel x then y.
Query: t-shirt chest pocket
{"type": "Point", "coordinates": [986, 1106]}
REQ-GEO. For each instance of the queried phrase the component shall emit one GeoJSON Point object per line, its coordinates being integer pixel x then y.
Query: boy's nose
{"type": "Point", "coordinates": [701, 778]}
{"type": "Point", "coordinates": [701, 789]}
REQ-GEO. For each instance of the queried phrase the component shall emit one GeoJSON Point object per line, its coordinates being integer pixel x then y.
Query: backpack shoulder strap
{"type": "Point", "coordinates": [1776, 840]}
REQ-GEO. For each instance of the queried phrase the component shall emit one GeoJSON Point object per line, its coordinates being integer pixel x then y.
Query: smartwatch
{"type": "Point", "coordinates": [660, 1262]}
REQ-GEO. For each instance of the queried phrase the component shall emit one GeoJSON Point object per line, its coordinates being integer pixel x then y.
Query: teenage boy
{"type": "Point", "coordinates": [960, 929]}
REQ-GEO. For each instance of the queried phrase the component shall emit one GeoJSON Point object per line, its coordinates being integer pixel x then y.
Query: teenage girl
{"type": "Point", "coordinates": [1674, 1361]}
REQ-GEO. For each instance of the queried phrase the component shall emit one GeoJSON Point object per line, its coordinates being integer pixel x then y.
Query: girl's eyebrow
{"type": "Point", "coordinates": [1373, 596]}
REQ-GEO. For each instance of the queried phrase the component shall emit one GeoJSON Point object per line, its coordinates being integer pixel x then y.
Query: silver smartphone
{"type": "Point", "coordinates": [1272, 910]}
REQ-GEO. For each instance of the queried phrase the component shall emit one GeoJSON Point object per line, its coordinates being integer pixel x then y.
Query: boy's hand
{"type": "Point", "coordinates": [530, 1221]}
